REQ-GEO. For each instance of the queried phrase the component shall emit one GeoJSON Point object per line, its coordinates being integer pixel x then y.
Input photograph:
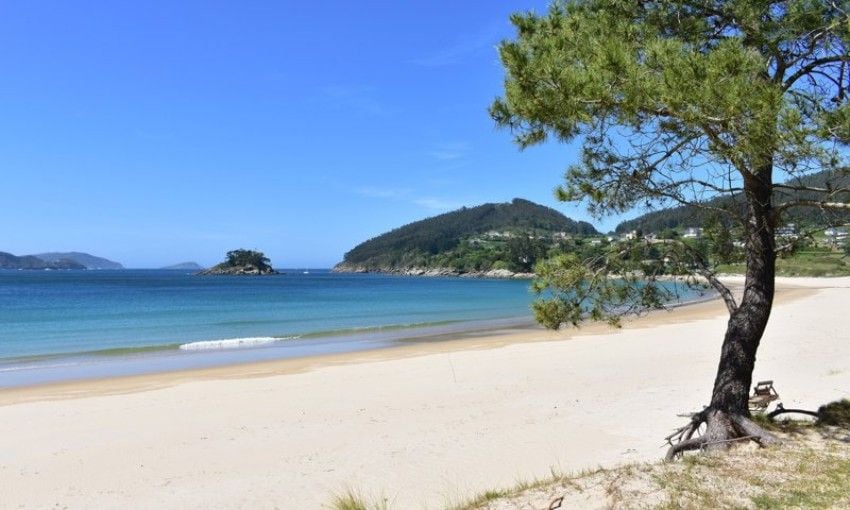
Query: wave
{"type": "Point", "coordinates": [233, 343]}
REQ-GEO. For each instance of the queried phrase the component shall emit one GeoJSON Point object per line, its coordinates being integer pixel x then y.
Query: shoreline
{"type": "Point", "coordinates": [59, 369]}
{"type": "Point", "coordinates": [53, 370]}
{"type": "Point", "coordinates": [408, 342]}
{"type": "Point", "coordinates": [431, 272]}
{"type": "Point", "coordinates": [421, 425]}
{"type": "Point", "coordinates": [56, 368]}
{"type": "Point", "coordinates": [125, 313]}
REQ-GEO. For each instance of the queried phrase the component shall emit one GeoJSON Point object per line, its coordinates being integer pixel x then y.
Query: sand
{"type": "Point", "coordinates": [424, 425]}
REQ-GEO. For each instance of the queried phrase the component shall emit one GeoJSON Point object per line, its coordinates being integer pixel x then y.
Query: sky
{"type": "Point", "coordinates": [157, 132]}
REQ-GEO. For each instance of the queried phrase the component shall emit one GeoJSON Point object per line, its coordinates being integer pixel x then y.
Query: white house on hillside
{"type": "Point", "coordinates": [692, 233]}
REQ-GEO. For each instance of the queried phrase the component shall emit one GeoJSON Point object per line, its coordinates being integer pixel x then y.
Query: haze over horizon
{"type": "Point", "coordinates": [157, 133]}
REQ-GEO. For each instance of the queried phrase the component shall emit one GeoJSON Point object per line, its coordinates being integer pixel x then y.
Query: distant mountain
{"type": "Point", "coordinates": [479, 238]}
{"type": "Point", "coordinates": [89, 261]}
{"type": "Point", "coordinates": [185, 266]}
{"type": "Point", "coordinates": [689, 216]}
{"type": "Point", "coordinates": [9, 261]}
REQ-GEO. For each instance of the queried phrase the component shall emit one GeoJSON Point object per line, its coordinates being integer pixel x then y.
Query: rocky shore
{"type": "Point", "coordinates": [433, 271]}
{"type": "Point", "coordinates": [248, 270]}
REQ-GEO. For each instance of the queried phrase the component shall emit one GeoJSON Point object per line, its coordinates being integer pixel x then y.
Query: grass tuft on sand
{"type": "Point", "coordinates": [811, 469]}
{"type": "Point", "coordinates": [351, 500]}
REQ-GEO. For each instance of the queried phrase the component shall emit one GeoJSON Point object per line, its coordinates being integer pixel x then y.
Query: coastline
{"type": "Point", "coordinates": [58, 370]}
{"type": "Point", "coordinates": [205, 350]}
{"type": "Point", "coordinates": [89, 318]}
{"type": "Point", "coordinates": [500, 274]}
{"type": "Point", "coordinates": [423, 424]}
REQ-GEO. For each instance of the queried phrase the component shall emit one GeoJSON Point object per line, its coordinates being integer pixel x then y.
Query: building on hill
{"type": "Point", "coordinates": [836, 235]}
{"type": "Point", "coordinates": [692, 233]}
{"type": "Point", "coordinates": [789, 231]}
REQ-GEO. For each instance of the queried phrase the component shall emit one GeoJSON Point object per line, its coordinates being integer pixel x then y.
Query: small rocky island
{"type": "Point", "coordinates": [242, 262]}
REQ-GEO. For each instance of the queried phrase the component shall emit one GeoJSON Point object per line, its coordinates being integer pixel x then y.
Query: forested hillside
{"type": "Point", "coordinates": [684, 216]}
{"type": "Point", "coordinates": [428, 243]}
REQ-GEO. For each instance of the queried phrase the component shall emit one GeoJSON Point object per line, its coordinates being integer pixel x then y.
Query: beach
{"type": "Point", "coordinates": [423, 425]}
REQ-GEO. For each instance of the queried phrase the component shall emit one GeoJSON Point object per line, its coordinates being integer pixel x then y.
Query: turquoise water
{"type": "Point", "coordinates": [83, 317]}
{"type": "Point", "coordinates": [57, 325]}
{"type": "Point", "coordinates": [53, 312]}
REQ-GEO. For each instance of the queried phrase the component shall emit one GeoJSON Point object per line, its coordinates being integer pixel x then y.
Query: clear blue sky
{"type": "Point", "coordinates": [159, 132]}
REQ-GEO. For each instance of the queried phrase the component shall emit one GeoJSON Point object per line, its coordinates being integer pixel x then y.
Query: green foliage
{"type": "Point", "coordinates": [444, 240]}
{"type": "Point", "coordinates": [353, 501]}
{"type": "Point", "coordinates": [499, 264]}
{"type": "Point", "coordinates": [668, 233]}
{"type": "Point", "coordinates": [698, 104]}
{"type": "Point", "coordinates": [236, 258]}
{"type": "Point", "coordinates": [523, 251]}
{"type": "Point", "coordinates": [803, 263]}
{"type": "Point", "coordinates": [572, 289]}
{"type": "Point", "coordinates": [835, 414]}
{"type": "Point", "coordinates": [719, 237]}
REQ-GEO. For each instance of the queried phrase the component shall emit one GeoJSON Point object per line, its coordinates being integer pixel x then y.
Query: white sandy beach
{"type": "Point", "coordinates": [424, 426]}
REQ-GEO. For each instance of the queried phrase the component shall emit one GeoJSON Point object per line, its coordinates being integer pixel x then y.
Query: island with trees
{"type": "Point", "coordinates": [242, 262]}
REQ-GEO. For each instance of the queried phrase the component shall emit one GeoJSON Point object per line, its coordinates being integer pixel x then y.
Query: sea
{"type": "Point", "coordinates": [67, 325]}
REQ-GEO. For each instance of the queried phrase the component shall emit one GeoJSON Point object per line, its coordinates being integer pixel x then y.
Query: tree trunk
{"type": "Point", "coordinates": [747, 324]}
{"type": "Point", "coordinates": [727, 416]}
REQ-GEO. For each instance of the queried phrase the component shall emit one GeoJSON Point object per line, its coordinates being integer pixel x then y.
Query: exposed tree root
{"type": "Point", "coordinates": [721, 430]}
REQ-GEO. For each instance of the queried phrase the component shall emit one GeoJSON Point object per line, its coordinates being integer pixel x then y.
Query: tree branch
{"type": "Point", "coordinates": [811, 66]}
{"type": "Point", "coordinates": [706, 272]}
{"type": "Point", "coordinates": [812, 203]}
{"type": "Point", "coordinates": [793, 187]}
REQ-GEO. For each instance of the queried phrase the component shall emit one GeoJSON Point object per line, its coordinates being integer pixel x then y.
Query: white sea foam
{"type": "Point", "coordinates": [232, 343]}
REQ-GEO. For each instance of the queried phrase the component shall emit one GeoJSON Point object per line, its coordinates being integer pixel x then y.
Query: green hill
{"type": "Point", "coordinates": [688, 216]}
{"type": "Point", "coordinates": [469, 239]}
